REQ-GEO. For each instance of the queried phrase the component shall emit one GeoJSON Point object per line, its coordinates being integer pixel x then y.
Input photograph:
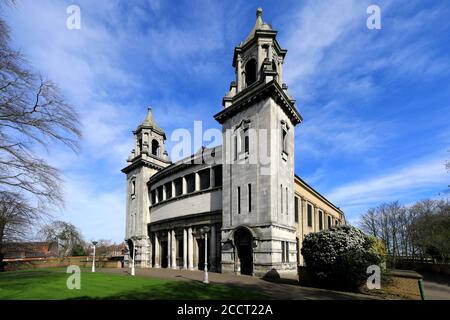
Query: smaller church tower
{"type": "Point", "coordinates": [147, 158]}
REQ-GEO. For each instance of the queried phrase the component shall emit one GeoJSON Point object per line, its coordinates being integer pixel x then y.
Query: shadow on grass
{"type": "Point", "coordinates": [180, 290]}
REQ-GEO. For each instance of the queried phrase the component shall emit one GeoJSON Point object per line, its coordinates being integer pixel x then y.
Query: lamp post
{"type": "Point", "coordinates": [93, 259]}
{"type": "Point", "coordinates": [205, 231]}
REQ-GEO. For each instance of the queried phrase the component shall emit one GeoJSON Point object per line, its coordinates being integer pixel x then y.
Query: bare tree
{"type": "Point", "coordinates": [16, 216]}
{"type": "Point", "coordinates": [32, 113]}
{"type": "Point", "coordinates": [33, 116]}
{"type": "Point", "coordinates": [418, 231]}
{"type": "Point", "coordinates": [66, 234]}
{"type": "Point", "coordinates": [369, 223]}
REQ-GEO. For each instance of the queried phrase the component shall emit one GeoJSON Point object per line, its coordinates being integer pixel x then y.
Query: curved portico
{"type": "Point", "coordinates": [185, 197]}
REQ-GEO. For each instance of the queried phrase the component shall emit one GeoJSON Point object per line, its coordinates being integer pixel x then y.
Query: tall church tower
{"type": "Point", "coordinates": [258, 121]}
{"type": "Point", "coordinates": [148, 157]}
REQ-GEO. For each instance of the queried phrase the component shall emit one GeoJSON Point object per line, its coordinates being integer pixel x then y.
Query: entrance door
{"type": "Point", "coordinates": [243, 242]}
{"type": "Point", "coordinates": [164, 255]}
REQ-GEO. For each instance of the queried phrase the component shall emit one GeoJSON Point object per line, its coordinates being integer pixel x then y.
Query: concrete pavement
{"type": "Point", "coordinates": [283, 289]}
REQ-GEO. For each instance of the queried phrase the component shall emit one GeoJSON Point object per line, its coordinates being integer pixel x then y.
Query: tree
{"type": "Point", "coordinates": [103, 246]}
{"type": "Point", "coordinates": [32, 112]}
{"type": "Point", "coordinates": [411, 232]}
{"type": "Point", "coordinates": [431, 233]}
{"type": "Point", "coordinates": [16, 215]}
{"type": "Point", "coordinates": [33, 116]}
{"type": "Point", "coordinates": [66, 234]}
{"type": "Point", "coordinates": [369, 223]}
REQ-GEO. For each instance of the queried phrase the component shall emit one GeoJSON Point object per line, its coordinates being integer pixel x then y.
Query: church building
{"type": "Point", "coordinates": [243, 196]}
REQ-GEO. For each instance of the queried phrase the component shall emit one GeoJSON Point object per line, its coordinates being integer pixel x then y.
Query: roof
{"type": "Point", "coordinates": [257, 91]}
{"type": "Point", "coordinates": [203, 155]}
{"type": "Point", "coordinates": [316, 193]}
{"type": "Point", "coordinates": [259, 25]}
{"type": "Point", "coordinates": [149, 122]}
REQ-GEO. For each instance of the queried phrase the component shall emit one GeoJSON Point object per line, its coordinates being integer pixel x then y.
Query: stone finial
{"type": "Point", "coordinates": [259, 12]}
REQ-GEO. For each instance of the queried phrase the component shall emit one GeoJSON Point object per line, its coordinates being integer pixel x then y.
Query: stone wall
{"type": "Point", "coordinates": [83, 262]}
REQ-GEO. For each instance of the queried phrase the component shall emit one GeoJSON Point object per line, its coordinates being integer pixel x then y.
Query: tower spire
{"type": "Point", "coordinates": [259, 25]}
{"type": "Point", "coordinates": [149, 122]}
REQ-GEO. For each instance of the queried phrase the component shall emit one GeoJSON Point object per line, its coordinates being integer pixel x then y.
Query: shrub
{"type": "Point", "coordinates": [339, 256]}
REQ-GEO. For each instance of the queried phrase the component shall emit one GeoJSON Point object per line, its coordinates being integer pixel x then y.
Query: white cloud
{"type": "Point", "coordinates": [96, 208]}
{"type": "Point", "coordinates": [402, 184]}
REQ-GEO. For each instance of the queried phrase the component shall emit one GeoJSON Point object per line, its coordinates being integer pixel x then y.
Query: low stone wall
{"type": "Point", "coordinates": [86, 262]}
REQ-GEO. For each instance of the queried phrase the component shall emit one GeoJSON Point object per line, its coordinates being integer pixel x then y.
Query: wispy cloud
{"type": "Point", "coordinates": [350, 84]}
{"type": "Point", "coordinates": [403, 183]}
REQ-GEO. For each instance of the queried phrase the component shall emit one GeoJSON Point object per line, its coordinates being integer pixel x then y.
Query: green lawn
{"type": "Point", "coordinates": [50, 284]}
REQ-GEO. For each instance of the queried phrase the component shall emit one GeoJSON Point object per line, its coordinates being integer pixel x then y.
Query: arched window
{"type": "Point", "coordinates": [246, 144]}
{"type": "Point", "coordinates": [133, 188]}
{"type": "Point", "coordinates": [155, 148]}
{"type": "Point", "coordinates": [250, 72]}
{"type": "Point", "coordinates": [274, 68]}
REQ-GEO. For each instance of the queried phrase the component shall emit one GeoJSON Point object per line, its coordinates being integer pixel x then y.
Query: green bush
{"type": "Point", "coordinates": [339, 256]}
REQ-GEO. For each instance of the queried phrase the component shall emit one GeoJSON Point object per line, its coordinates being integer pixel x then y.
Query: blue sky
{"type": "Point", "coordinates": [375, 103]}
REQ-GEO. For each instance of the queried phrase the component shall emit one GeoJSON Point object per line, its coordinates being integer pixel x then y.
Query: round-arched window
{"type": "Point", "coordinates": [155, 148]}
{"type": "Point", "coordinates": [250, 72]}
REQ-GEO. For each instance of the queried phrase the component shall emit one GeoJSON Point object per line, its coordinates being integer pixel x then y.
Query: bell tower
{"type": "Point", "coordinates": [258, 121]}
{"type": "Point", "coordinates": [258, 58]}
{"type": "Point", "coordinates": [147, 158]}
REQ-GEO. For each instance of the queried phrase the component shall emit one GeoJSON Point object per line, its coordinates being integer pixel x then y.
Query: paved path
{"type": "Point", "coordinates": [437, 287]}
{"type": "Point", "coordinates": [283, 289]}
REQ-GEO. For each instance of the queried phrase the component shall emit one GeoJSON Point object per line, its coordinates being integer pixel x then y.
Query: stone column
{"type": "Point", "coordinates": [259, 61]}
{"type": "Point", "coordinates": [174, 250]}
{"type": "Point", "coordinates": [185, 249]}
{"type": "Point", "coordinates": [316, 219]}
{"type": "Point", "coordinates": [157, 258]}
{"type": "Point", "coordinates": [239, 74]}
{"type": "Point", "coordinates": [280, 72]}
{"type": "Point", "coordinates": [183, 185]}
{"type": "Point", "coordinates": [169, 249]}
{"type": "Point", "coordinates": [164, 196]}
{"type": "Point", "coordinates": [212, 246]}
{"type": "Point", "coordinates": [212, 178]}
{"type": "Point", "coordinates": [197, 181]}
{"type": "Point", "coordinates": [196, 255]}
{"type": "Point", "coordinates": [191, 250]}
{"type": "Point", "coordinates": [173, 188]}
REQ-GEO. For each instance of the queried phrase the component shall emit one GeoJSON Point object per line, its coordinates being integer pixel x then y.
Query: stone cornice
{"type": "Point", "coordinates": [255, 93]}
{"type": "Point", "coordinates": [141, 162]}
{"type": "Point", "coordinates": [306, 186]}
{"type": "Point", "coordinates": [259, 34]}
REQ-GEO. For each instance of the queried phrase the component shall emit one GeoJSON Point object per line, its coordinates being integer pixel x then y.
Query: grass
{"type": "Point", "coordinates": [50, 284]}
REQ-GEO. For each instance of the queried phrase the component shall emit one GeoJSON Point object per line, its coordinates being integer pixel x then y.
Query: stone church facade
{"type": "Point", "coordinates": [255, 208]}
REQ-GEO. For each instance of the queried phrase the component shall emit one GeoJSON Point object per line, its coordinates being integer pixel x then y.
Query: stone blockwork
{"type": "Point", "coordinates": [240, 195]}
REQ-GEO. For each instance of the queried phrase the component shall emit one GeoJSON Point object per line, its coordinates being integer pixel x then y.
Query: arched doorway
{"type": "Point", "coordinates": [243, 242]}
